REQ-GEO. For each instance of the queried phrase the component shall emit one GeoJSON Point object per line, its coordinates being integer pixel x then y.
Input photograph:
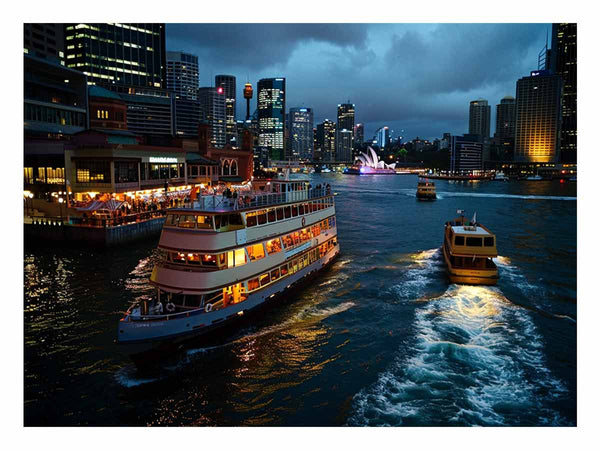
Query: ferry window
{"type": "Point", "coordinates": [256, 251]}
{"type": "Point", "coordinates": [223, 221]}
{"type": "Point", "coordinates": [488, 241]}
{"type": "Point", "coordinates": [240, 257]}
{"type": "Point", "coordinates": [264, 279]}
{"type": "Point", "coordinates": [301, 209]}
{"type": "Point", "coordinates": [222, 259]}
{"type": "Point", "coordinates": [253, 284]}
{"type": "Point", "coordinates": [204, 222]}
{"type": "Point", "coordinates": [193, 258]}
{"type": "Point", "coordinates": [459, 240]}
{"type": "Point", "coordinates": [251, 219]}
{"type": "Point", "coordinates": [287, 212]}
{"type": "Point", "coordinates": [274, 274]}
{"type": "Point", "coordinates": [273, 246]}
{"type": "Point", "coordinates": [271, 215]}
{"type": "Point", "coordinates": [187, 221]}
{"type": "Point", "coordinates": [294, 211]}
{"type": "Point", "coordinates": [473, 242]}
{"type": "Point", "coordinates": [172, 219]}
{"type": "Point", "coordinates": [179, 257]}
{"type": "Point", "coordinates": [279, 213]}
{"type": "Point", "coordinates": [217, 222]}
{"type": "Point", "coordinates": [230, 260]}
{"type": "Point", "coordinates": [284, 270]}
{"type": "Point", "coordinates": [262, 217]}
{"type": "Point", "coordinates": [209, 260]}
{"type": "Point", "coordinates": [235, 221]}
{"type": "Point", "coordinates": [288, 241]}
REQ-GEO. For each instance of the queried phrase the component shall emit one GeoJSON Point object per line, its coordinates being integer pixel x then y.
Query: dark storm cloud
{"type": "Point", "coordinates": [416, 77]}
{"type": "Point", "coordinates": [461, 57]}
{"type": "Point", "coordinates": [258, 46]}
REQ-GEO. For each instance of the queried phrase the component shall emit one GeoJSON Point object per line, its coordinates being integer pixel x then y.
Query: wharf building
{"type": "Point", "coordinates": [466, 154]}
{"type": "Point", "coordinates": [326, 139]}
{"type": "Point", "coordinates": [212, 113]}
{"type": "Point", "coordinates": [45, 40]}
{"type": "Point", "coordinates": [228, 86]}
{"type": "Point", "coordinates": [271, 116]}
{"type": "Point", "coordinates": [301, 138]}
{"type": "Point", "coordinates": [183, 83]}
{"type": "Point", "coordinates": [55, 108]}
{"type": "Point", "coordinates": [538, 118]}
{"type": "Point", "coordinates": [563, 62]}
{"type": "Point", "coordinates": [479, 119]}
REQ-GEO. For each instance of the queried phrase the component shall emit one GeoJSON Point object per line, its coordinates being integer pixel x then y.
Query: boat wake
{"type": "Point", "coordinates": [477, 359]}
{"type": "Point", "coordinates": [128, 377]}
{"type": "Point", "coordinates": [421, 270]}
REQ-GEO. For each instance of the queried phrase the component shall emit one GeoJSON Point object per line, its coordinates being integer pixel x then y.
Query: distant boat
{"type": "Point", "coordinates": [573, 178]}
{"type": "Point", "coordinates": [500, 176]}
{"type": "Point", "coordinates": [534, 178]}
{"type": "Point", "coordinates": [426, 190]}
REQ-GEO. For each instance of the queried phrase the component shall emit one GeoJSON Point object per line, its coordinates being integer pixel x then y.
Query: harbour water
{"type": "Point", "coordinates": [381, 338]}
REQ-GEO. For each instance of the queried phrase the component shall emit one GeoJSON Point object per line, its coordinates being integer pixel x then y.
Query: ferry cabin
{"type": "Point", "coordinates": [426, 190]}
{"type": "Point", "coordinates": [468, 251]}
{"type": "Point", "coordinates": [216, 257]}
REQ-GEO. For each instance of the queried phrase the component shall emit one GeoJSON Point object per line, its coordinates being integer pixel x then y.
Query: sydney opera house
{"type": "Point", "coordinates": [369, 164]}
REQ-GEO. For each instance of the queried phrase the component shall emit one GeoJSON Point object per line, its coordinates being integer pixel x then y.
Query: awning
{"type": "Point", "coordinates": [111, 205]}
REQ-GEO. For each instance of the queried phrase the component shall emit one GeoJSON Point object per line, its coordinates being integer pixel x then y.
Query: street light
{"type": "Point", "coordinates": [60, 201]}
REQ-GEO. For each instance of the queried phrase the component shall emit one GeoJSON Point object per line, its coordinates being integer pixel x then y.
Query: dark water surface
{"type": "Point", "coordinates": [380, 339]}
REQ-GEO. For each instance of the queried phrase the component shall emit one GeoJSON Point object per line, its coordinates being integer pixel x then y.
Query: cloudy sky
{"type": "Point", "coordinates": [413, 77]}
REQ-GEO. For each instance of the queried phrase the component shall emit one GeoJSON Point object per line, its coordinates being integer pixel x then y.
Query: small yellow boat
{"type": "Point", "coordinates": [426, 190]}
{"type": "Point", "coordinates": [468, 251]}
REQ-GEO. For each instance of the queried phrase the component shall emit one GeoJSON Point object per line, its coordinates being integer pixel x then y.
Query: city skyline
{"type": "Point", "coordinates": [432, 93]}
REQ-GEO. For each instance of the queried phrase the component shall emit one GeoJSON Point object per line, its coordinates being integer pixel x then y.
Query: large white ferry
{"type": "Point", "coordinates": [221, 258]}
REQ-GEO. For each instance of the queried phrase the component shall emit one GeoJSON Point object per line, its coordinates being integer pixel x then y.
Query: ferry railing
{"type": "Point", "coordinates": [118, 220]}
{"type": "Point", "coordinates": [256, 200]}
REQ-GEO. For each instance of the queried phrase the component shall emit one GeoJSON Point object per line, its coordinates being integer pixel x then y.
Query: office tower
{"type": "Point", "coordinates": [564, 63]}
{"type": "Point", "coordinates": [248, 96]}
{"type": "Point", "coordinates": [300, 126]}
{"type": "Point", "coordinates": [537, 130]}
{"type": "Point", "coordinates": [149, 111]}
{"type": "Point", "coordinates": [343, 152]}
{"type": "Point", "coordinates": [227, 83]}
{"type": "Point", "coordinates": [271, 116]}
{"type": "Point", "coordinates": [326, 140]}
{"type": "Point", "coordinates": [345, 118]}
{"type": "Point", "coordinates": [118, 53]}
{"type": "Point", "coordinates": [182, 75]}
{"type": "Point", "coordinates": [182, 81]}
{"type": "Point", "coordinates": [382, 137]}
{"type": "Point", "coordinates": [466, 153]}
{"type": "Point", "coordinates": [479, 118]}
{"type": "Point", "coordinates": [212, 112]}
{"type": "Point", "coordinates": [359, 133]}
{"type": "Point", "coordinates": [45, 40]}
{"type": "Point", "coordinates": [505, 118]}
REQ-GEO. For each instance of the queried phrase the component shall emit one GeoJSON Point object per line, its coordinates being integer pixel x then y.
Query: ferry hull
{"type": "Point", "coordinates": [486, 277]}
{"type": "Point", "coordinates": [147, 341]}
{"type": "Point", "coordinates": [426, 197]}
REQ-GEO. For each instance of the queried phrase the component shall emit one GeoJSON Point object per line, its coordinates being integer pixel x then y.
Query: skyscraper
{"type": "Point", "coordinates": [326, 140]}
{"type": "Point", "coordinates": [343, 152]}
{"type": "Point", "coordinates": [466, 153]}
{"type": "Point", "coordinates": [227, 83]}
{"type": "Point", "coordinates": [118, 53]}
{"type": "Point", "coordinates": [212, 112]}
{"type": "Point", "coordinates": [345, 117]}
{"type": "Point", "coordinates": [479, 118]}
{"type": "Point", "coordinates": [271, 116]}
{"type": "Point", "coordinates": [182, 75]}
{"type": "Point", "coordinates": [537, 130]}
{"type": "Point", "coordinates": [359, 133]}
{"type": "Point", "coordinates": [564, 63]}
{"type": "Point", "coordinates": [505, 118]}
{"type": "Point", "coordinates": [182, 80]}
{"type": "Point", "coordinates": [300, 125]}
{"type": "Point", "coordinates": [45, 40]}
{"type": "Point", "coordinates": [382, 137]}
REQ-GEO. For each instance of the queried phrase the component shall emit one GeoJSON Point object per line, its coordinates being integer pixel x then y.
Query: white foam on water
{"type": "Point", "coordinates": [126, 377]}
{"type": "Point", "coordinates": [477, 360]}
{"type": "Point", "coordinates": [424, 268]}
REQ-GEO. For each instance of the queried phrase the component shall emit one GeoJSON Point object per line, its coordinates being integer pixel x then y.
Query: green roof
{"type": "Point", "coordinates": [97, 91]}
